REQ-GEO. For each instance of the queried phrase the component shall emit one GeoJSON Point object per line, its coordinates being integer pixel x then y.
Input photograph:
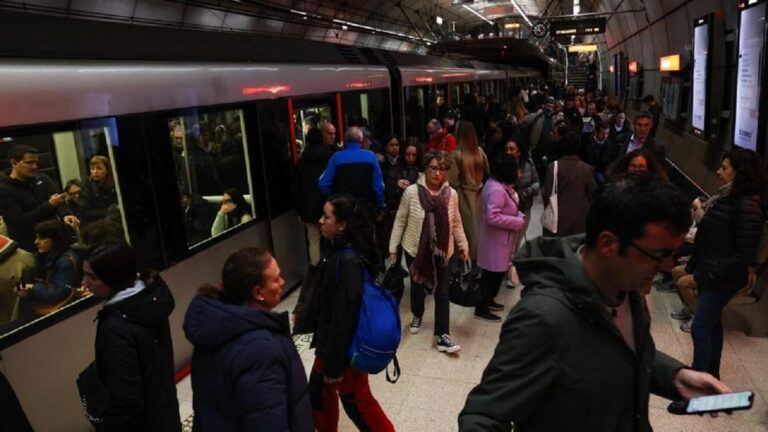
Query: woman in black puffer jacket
{"type": "Point", "coordinates": [725, 245]}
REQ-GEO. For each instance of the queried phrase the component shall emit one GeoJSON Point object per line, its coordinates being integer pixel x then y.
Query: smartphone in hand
{"type": "Point", "coordinates": [713, 403]}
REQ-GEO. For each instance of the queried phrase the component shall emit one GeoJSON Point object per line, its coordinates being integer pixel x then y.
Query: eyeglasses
{"type": "Point", "coordinates": [659, 258]}
{"type": "Point", "coordinates": [436, 168]}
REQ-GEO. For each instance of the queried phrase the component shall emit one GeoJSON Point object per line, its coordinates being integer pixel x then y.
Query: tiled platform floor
{"type": "Point", "coordinates": [433, 386]}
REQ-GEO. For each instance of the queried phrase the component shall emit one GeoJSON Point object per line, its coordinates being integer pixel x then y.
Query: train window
{"type": "Point", "coordinates": [59, 194]}
{"type": "Point", "coordinates": [210, 156]}
{"type": "Point", "coordinates": [309, 117]}
{"type": "Point", "coordinates": [369, 109]}
{"type": "Point", "coordinates": [416, 115]}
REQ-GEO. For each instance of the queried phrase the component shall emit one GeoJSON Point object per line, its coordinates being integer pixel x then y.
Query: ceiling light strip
{"type": "Point", "coordinates": [478, 14]}
{"type": "Point", "coordinates": [520, 11]}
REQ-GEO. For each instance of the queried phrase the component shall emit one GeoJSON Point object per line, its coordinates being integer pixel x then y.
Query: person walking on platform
{"type": "Point", "coordinates": [340, 296]}
{"type": "Point", "coordinates": [641, 138]}
{"type": "Point", "coordinates": [134, 351]}
{"type": "Point", "coordinates": [726, 244]}
{"type": "Point", "coordinates": [499, 224]}
{"type": "Point", "coordinates": [439, 139]}
{"type": "Point", "coordinates": [575, 185]}
{"type": "Point", "coordinates": [355, 171]}
{"type": "Point", "coordinates": [581, 327]}
{"type": "Point", "coordinates": [468, 167]}
{"type": "Point", "coordinates": [246, 372]}
{"type": "Point", "coordinates": [427, 223]}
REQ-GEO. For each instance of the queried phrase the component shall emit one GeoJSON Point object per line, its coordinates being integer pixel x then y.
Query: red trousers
{"type": "Point", "coordinates": [356, 397]}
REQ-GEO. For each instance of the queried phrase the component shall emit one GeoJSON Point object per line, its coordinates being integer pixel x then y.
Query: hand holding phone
{"type": "Point", "coordinates": [725, 402]}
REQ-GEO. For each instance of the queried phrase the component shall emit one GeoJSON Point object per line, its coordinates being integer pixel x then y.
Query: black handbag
{"type": "Point", "coordinates": [463, 291]}
{"type": "Point", "coordinates": [394, 281]}
{"type": "Point", "coordinates": [94, 396]}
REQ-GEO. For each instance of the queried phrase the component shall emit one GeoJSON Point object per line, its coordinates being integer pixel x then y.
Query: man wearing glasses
{"type": "Point", "coordinates": [576, 353]}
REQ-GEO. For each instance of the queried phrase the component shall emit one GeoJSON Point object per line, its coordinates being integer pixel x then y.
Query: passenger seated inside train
{"type": "Point", "coordinates": [56, 273]}
{"type": "Point", "coordinates": [233, 212]}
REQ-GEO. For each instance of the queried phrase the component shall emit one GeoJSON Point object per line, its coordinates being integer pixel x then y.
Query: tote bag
{"type": "Point", "coordinates": [549, 217]}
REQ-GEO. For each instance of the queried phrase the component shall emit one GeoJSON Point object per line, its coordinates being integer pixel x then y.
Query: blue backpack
{"type": "Point", "coordinates": [378, 331]}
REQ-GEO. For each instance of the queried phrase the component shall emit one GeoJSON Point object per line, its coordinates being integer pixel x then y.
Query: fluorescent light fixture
{"type": "Point", "coordinates": [520, 11]}
{"type": "Point", "coordinates": [512, 25]}
{"type": "Point", "coordinates": [439, 20]}
{"type": "Point", "coordinates": [298, 12]}
{"type": "Point", "coordinates": [582, 48]}
{"type": "Point", "coordinates": [344, 27]}
{"type": "Point", "coordinates": [477, 13]}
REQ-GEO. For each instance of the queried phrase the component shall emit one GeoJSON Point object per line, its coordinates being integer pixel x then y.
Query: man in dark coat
{"type": "Point", "coordinates": [576, 353]}
{"type": "Point", "coordinates": [641, 138]}
{"type": "Point", "coordinates": [321, 144]}
{"type": "Point", "coordinates": [655, 110]}
{"type": "Point", "coordinates": [28, 198]}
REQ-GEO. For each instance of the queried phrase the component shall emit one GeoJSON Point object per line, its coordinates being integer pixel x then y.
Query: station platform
{"type": "Point", "coordinates": [433, 386]}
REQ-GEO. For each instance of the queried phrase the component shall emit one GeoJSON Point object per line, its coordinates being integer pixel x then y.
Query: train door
{"type": "Point", "coordinates": [311, 113]}
{"type": "Point", "coordinates": [417, 101]}
{"type": "Point", "coordinates": [369, 108]}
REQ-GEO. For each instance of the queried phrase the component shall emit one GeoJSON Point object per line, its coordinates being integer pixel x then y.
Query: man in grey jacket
{"type": "Point", "coordinates": [576, 353]}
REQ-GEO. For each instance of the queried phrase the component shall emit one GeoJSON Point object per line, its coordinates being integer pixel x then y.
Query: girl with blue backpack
{"type": "Point", "coordinates": [340, 295]}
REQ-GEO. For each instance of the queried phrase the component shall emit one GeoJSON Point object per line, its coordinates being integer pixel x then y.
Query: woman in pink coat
{"type": "Point", "coordinates": [498, 227]}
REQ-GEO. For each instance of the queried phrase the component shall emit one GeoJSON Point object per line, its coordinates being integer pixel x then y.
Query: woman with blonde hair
{"type": "Point", "coordinates": [468, 169]}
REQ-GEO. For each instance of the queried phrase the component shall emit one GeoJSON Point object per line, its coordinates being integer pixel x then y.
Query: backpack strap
{"type": "Point", "coordinates": [395, 372]}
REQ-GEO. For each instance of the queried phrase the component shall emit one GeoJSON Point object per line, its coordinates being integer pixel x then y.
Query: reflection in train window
{"type": "Point", "coordinates": [212, 172]}
{"type": "Point", "coordinates": [59, 194]}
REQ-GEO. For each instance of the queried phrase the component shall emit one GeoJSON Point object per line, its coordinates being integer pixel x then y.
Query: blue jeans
{"type": "Point", "coordinates": [707, 331]}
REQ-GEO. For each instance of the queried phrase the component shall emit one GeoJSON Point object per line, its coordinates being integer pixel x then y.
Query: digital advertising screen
{"type": "Point", "coordinates": [701, 45]}
{"type": "Point", "coordinates": [748, 76]}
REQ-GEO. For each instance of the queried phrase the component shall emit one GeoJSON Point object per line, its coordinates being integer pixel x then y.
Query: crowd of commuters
{"type": "Point", "coordinates": [460, 199]}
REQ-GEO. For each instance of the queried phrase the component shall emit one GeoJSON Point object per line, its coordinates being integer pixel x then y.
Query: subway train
{"type": "Point", "coordinates": [179, 136]}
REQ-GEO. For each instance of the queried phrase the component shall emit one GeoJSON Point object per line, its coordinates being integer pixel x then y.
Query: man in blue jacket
{"type": "Point", "coordinates": [354, 171]}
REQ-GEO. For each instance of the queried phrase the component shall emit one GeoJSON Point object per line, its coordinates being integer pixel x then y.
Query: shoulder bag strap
{"type": "Point", "coordinates": [554, 184]}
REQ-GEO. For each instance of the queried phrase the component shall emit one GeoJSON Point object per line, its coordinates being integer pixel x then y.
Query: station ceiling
{"type": "Point", "coordinates": [389, 24]}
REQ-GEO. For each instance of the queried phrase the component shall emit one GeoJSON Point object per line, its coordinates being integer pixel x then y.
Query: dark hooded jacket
{"type": "Point", "coordinates": [246, 373]}
{"type": "Point", "coordinates": [134, 357]}
{"type": "Point", "coordinates": [561, 364]}
{"type": "Point", "coordinates": [309, 199]}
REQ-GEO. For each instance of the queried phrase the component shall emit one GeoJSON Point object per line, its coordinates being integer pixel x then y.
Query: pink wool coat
{"type": "Point", "coordinates": [499, 224]}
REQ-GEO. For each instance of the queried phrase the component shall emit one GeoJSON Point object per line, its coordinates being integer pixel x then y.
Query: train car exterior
{"type": "Point", "coordinates": [178, 136]}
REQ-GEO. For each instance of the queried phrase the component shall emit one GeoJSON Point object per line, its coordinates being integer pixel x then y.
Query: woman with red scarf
{"type": "Point", "coordinates": [426, 225]}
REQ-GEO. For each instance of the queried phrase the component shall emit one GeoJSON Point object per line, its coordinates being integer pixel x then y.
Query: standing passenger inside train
{"type": "Point", "coordinates": [468, 167]}
{"type": "Point", "coordinates": [134, 353]}
{"type": "Point", "coordinates": [246, 372]}
{"type": "Point", "coordinates": [427, 224]}
{"type": "Point", "coordinates": [28, 197]}
{"type": "Point", "coordinates": [350, 231]}
{"type": "Point", "coordinates": [499, 225]}
{"type": "Point", "coordinates": [74, 191]}
{"type": "Point", "coordinates": [355, 171]}
{"type": "Point", "coordinates": [98, 191]}
{"type": "Point", "coordinates": [234, 211]}
{"type": "Point", "coordinates": [726, 244]}
{"type": "Point", "coordinates": [321, 144]}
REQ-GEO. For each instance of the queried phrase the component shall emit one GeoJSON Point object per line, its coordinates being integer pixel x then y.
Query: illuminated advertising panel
{"type": "Point", "coordinates": [749, 76]}
{"type": "Point", "coordinates": [700, 72]}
